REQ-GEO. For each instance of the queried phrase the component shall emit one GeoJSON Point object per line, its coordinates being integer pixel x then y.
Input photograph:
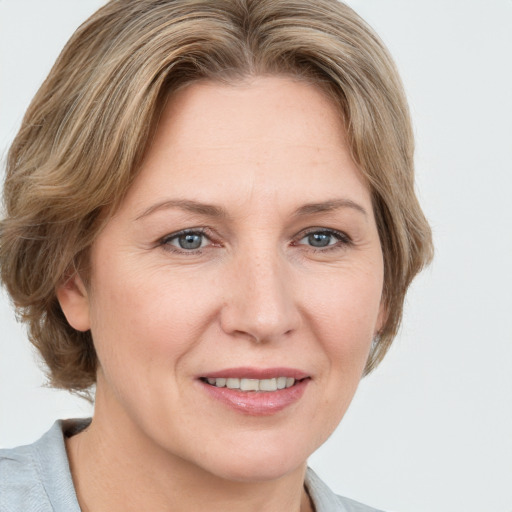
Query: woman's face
{"type": "Point", "coordinates": [246, 249]}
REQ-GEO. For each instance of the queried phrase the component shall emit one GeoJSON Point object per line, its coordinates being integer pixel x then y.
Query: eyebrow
{"type": "Point", "coordinates": [185, 204]}
{"type": "Point", "coordinates": [327, 206]}
{"type": "Point", "coordinates": [216, 211]}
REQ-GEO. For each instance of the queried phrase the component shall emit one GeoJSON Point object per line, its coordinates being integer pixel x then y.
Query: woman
{"type": "Point", "coordinates": [210, 215]}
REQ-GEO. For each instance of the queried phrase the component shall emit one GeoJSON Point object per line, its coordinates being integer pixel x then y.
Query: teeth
{"type": "Point", "coordinates": [243, 384]}
{"type": "Point", "coordinates": [233, 383]}
{"type": "Point", "coordinates": [268, 385]}
{"type": "Point", "coordinates": [281, 382]}
{"type": "Point", "coordinates": [249, 384]}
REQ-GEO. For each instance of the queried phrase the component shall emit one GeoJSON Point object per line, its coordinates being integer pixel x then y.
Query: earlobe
{"type": "Point", "coordinates": [74, 302]}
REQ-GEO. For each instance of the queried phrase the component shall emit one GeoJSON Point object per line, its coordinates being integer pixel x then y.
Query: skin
{"type": "Point", "coordinates": [256, 293]}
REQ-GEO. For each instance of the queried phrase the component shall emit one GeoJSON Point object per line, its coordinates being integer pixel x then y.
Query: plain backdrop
{"type": "Point", "coordinates": [431, 429]}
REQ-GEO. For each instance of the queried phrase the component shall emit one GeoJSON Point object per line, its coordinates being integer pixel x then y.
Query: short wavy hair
{"type": "Point", "coordinates": [84, 134]}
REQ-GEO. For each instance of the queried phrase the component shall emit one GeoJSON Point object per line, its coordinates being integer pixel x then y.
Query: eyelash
{"type": "Point", "coordinates": [166, 245]}
{"type": "Point", "coordinates": [343, 240]}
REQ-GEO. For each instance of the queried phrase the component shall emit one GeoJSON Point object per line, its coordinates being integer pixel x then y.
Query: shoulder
{"type": "Point", "coordinates": [21, 486]}
{"type": "Point", "coordinates": [326, 501]}
{"type": "Point", "coordinates": [36, 477]}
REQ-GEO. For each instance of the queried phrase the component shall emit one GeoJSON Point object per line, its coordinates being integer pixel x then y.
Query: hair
{"type": "Point", "coordinates": [83, 137]}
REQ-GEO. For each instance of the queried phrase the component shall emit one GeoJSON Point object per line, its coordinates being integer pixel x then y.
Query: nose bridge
{"type": "Point", "coordinates": [261, 304]}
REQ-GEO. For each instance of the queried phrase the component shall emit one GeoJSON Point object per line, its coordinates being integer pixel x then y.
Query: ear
{"type": "Point", "coordinates": [74, 302]}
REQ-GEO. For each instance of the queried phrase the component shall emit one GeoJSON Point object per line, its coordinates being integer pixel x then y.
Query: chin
{"type": "Point", "coordinates": [260, 461]}
{"type": "Point", "coordinates": [256, 471]}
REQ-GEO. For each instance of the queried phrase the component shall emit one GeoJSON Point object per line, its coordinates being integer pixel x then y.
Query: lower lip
{"type": "Point", "coordinates": [257, 403]}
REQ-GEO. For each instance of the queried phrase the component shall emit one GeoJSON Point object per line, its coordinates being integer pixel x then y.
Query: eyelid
{"type": "Point", "coordinates": [342, 236]}
{"type": "Point", "coordinates": [188, 231]}
{"type": "Point", "coordinates": [204, 231]}
{"type": "Point", "coordinates": [342, 240]}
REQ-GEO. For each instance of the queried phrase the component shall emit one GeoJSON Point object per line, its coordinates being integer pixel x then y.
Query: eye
{"type": "Point", "coordinates": [188, 240]}
{"type": "Point", "coordinates": [320, 239]}
{"type": "Point", "coordinates": [324, 238]}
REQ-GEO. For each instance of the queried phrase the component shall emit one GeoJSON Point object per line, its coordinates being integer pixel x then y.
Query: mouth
{"type": "Point", "coordinates": [256, 392]}
{"type": "Point", "coordinates": [247, 384]}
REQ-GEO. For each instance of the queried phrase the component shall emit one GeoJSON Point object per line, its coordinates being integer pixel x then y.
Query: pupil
{"type": "Point", "coordinates": [319, 239]}
{"type": "Point", "coordinates": [190, 241]}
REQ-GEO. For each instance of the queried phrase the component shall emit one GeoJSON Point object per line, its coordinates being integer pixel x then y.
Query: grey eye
{"type": "Point", "coordinates": [320, 239]}
{"type": "Point", "coordinates": [190, 241]}
{"type": "Point", "coordinates": [186, 241]}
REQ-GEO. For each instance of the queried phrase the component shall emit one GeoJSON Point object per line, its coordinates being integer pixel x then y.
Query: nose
{"type": "Point", "coordinates": [260, 303]}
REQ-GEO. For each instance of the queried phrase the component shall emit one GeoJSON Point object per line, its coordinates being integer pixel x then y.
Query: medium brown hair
{"type": "Point", "coordinates": [84, 135]}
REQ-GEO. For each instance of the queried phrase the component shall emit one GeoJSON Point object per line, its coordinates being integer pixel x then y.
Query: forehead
{"type": "Point", "coordinates": [273, 137]}
{"type": "Point", "coordinates": [251, 99]}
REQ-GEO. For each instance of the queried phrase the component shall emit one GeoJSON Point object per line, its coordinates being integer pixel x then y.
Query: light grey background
{"type": "Point", "coordinates": [431, 430]}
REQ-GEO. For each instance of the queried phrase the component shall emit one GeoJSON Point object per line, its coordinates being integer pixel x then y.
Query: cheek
{"type": "Point", "coordinates": [346, 309]}
{"type": "Point", "coordinates": [148, 319]}
{"type": "Point", "coordinates": [343, 322]}
{"type": "Point", "coordinates": [343, 319]}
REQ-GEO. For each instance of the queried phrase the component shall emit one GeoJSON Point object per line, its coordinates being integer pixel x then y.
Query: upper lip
{"type": "Point", "coordinates": [256, 373]}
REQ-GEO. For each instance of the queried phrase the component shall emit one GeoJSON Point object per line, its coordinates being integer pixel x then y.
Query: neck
{"type": "Point", "coordinates": [116, 468]}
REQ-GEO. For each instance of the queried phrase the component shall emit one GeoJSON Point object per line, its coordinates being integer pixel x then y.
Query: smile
{"type": "Point", "coordinates": [256, 391]}
{"type": "Point", "coordinates": [247, 384]}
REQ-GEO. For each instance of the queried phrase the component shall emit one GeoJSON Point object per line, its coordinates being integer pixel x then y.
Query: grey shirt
{"type": "Point", "coordinates": [36, 478]}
